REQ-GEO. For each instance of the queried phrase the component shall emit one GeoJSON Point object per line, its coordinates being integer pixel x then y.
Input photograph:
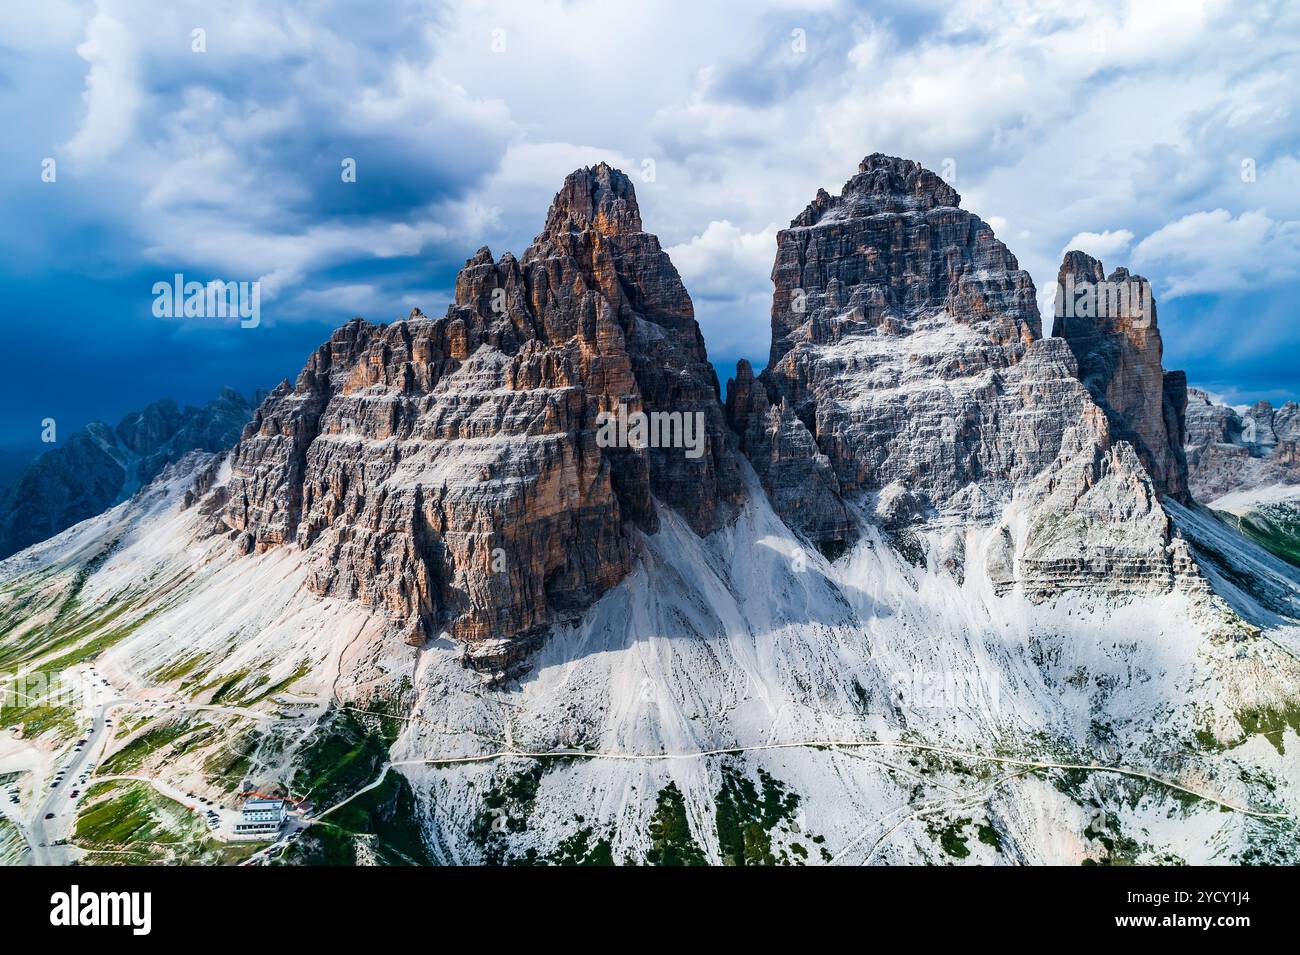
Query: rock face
{"type": "Point", "coordinates": [101, 465]}
{"type": "Point", "coordinates": [457, 474]}
{"type": "Point", "coordinates": [1110, 324]}
{"type": "Point", "coordinates": [1228, 451]}
{"type": "Point", "coordinates": [462, 474]}
{"type": "Point", "coordinates": [908, 375]}
{"type": "Point", "coordinates": [798, 478]}
{"type": "Point", "coordinates": [906, 346]}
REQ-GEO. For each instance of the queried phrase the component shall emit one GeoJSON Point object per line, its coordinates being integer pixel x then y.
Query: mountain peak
{"type": "Point", "coordinates": [599, 198]}
{"type": "Point", "coordinates": [882, 184]}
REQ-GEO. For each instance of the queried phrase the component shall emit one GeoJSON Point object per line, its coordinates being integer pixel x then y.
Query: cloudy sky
{"type": "Point", "coordinates": [1165, 137]}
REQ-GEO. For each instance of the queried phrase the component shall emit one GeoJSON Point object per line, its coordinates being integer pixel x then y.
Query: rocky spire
{"type": "Point", "coordinates": [597, 198]}
{"type": "Point", "coordinates": [883, 184]}
{"type": "Point", "coordinates": [1111, 326]}
{"type": "Point", "coordinates": [898, 324]}
{"type": "Point", "coordinates": [452, 472]}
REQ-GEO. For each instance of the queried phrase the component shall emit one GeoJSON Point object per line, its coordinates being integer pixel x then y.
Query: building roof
{"type": "Point", "coordinates": [255, 804]}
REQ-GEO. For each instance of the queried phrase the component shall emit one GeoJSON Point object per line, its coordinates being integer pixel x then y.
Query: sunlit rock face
{"type": "Point", "coordinates": [451, 471]}
{"type": "Point", "coordinates": [906, 343]}
{"type": "Point", "coordinates": [458, 474]}
{"type": "Point", "coordinates": [1111, 325]}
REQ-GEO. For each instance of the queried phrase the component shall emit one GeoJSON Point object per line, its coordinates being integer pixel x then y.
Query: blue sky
{"type": "Point", "coordinates": [1118, 128]}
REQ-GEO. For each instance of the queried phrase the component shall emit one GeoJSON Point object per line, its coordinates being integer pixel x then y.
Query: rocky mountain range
{"type": "Point", "coordinates": [101, 465]}
{"type": "Point", "coordinates": [518, 584]}
{"type": "Point", "coordinates": [1231, 451]}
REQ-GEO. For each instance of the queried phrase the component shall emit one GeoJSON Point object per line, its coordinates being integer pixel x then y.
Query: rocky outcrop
{"type": "Point", "coordinates": [1230, 451]}
{"type": "Point", "coordinates": [462, 474]}
{"type": "Point", "coordinates": [1111, 326]}
{"type": "Point", "coordinates": [907, 344]}
{"type": "Point", "coordinates": [103, 465]}
{"type": "Point", "coordinates": [798, 478]}
{"type": "Point", "coordinates": [908, 376]}
{"type": "Point", "coordinates": [1095, 522]}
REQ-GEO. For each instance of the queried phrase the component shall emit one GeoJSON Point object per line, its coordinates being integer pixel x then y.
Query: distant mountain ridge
{"type": "Point", "coordinates": [1228, 451]}
{"type": "Point", "coordinates": [102, 465]}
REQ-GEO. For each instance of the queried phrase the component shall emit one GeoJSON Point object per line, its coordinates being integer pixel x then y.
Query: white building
{"type": "Point", "coordinates": [260, 819]}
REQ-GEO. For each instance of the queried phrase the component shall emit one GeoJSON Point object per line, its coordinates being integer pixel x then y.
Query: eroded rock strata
{"type": "Point", "coordinates": [453, 474]}
{"type": "Point", "coordinates": [448, 471]}
{"type": "Point", "coordinates": [1110, 322]}
{"type": "Point", "coordinates": [909, 375]}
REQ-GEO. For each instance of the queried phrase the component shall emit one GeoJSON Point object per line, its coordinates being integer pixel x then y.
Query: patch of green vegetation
{"type": "Point", "coordinates": [70, 624]}
{"type": "Point", "coordinates": [178, 668]}
{"type": "Point", "coordinates": [229, 765]}
{"type": "Point", "coordinates": [299, 672]}
{"type": "Point", "coordinates": [342, 755]}
{"type": "Point", "coordinates": [1070, 781]}
{"type": "Point", "coordinates": [226, 693]}
{"type": "Point", "coordinates": [99, 789]}
{"type": "Point", "coordinates": [671, 842]}
{"type": "Point", "coordinates": [127, 816]}
{"type": "Point", "coordinates": [989, 836]}
{"type": "Point", "coordinates": [746, 816]}
{"type": "Point", "coordinates": [48, 713]}
{"type": "Point", "coordinates": [1206, 740]}
{"type": "Point", "coordinates": [1270, 722]}
{"type": "Point", "coordinates": [12, 842]}
{"type": "Point", "coordinates": [129, 823]}
{"type": "Point", "coordinates": [91, 649]}
{"type": "Point", "coordinates": [323, 844]}
{"type": "Point", "coordinates": [951, 837]}
{"type": "Point", "coordinates": [381, 824]}
{"type": "Point", "coordinates": [1118, 848]}
{"type": "Point", "coordinates": [20, 601]}
{"type": "Point", "coordinates": [578, 849]}
{"type": "Point", "coordinates": [506, 808]}
{"type": "Point", "coordinates": [131, 756]}
{"type": "Point", "coordinates": [1275, 527]}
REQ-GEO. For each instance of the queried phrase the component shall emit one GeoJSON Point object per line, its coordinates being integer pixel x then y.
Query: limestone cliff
{"type": "Point", "coordinates": [449, 471]}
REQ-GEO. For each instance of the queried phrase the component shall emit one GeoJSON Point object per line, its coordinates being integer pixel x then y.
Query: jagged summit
{"type": "Point", "coordinates": [908, 377]}
{"type": "Point", "coordinates": [882, 184]}
{"type": "Point", "coordinates": [598, 198]}
{"type": "Point", "coordinates": [448, 471]}
{"type": "Point", "coordinates": [900, 326]}
{"type": "Point", "coordinates": [1111, 326]}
